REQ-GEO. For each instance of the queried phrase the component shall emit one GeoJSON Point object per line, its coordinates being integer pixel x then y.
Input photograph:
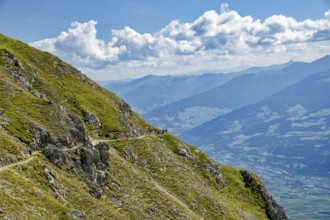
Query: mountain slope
{"type": "Point", "coordinates": [289, 129]}
{"type": "Point", "coordinates": [94, 158]}
{"type": "Point", "coordinates": [243, 90]}
{"type": "Point", "coordinates": [150, 92]}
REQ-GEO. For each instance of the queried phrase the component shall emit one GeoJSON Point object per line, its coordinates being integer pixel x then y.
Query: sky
{"type": "Point", "coordinates": [120, 39]}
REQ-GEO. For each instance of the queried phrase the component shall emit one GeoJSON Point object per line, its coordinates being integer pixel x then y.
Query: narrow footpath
{"type": "Point", "coordinates": [97, 141]}
{"type": "Point", "coordinates": [15, 164]}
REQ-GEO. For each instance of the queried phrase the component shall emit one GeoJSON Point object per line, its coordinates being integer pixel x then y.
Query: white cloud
{"type": "Point", "coordinates": [213, 42]}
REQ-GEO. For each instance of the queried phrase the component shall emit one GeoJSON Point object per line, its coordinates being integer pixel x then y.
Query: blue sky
{"type": "Point", "coordinates": [119, 39]}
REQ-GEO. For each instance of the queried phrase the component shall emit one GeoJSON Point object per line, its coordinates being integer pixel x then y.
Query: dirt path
{"type": "Point", "coordinates": [97, 141]}
{"type": "Point", "coordinates": [159, 187]}
{"type": "Point", "coordinates": [15, 164]}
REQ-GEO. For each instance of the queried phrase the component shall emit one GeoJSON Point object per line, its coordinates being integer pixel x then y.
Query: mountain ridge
{"type": "Point", "coordinates": [242, 90]}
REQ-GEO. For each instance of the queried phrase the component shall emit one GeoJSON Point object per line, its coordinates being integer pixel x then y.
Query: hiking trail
{"type": "Point", "coordinates": [15, 164]}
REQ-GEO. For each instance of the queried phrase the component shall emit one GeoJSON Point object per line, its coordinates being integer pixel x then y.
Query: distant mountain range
{"type": "Point", "coordinates": [185, 114]}
{"type": "Point", "coordinates": [152, 92]}
{"type": "Point", "coordinates": [290, 129]}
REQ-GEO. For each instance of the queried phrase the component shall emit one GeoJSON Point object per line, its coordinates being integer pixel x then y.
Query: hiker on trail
{"type": "Point", "coordinates": [30, 152]}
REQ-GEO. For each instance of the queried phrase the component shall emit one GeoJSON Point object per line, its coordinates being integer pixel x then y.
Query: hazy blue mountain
{"type": "Point", "coordinates": [289, 129]}
{"type": "Point", "coordinates": [246, 89]}
{"type": "Point", "coordinates": [272, 67]}
{"type": "Point", "coordinates": [150, 92]}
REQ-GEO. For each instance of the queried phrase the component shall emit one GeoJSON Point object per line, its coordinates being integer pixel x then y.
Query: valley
{"type": "Point", "coordinates": [275, 122]}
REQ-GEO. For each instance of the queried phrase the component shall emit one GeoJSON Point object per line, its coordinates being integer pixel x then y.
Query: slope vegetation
{"type": "Point", "coordinates": [94, 158]}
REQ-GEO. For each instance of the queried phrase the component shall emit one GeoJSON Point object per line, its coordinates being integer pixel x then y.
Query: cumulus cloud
{"type": "Point", "coordinates": [211, 41]}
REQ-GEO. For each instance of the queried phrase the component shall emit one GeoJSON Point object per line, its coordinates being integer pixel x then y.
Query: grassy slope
{"type": "Point", "coordinates": [136, 172]}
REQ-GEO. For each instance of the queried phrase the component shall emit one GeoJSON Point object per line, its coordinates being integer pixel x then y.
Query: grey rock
{"type": "Point", "coordinates": [20, 78]}
{"type": "Point", "coordinates": [16, 70]}
{"type": "Point", "coordinates": [40, 95]}
{"type": "Point", "coordinates": [77, 215]}
{"type": "Point", "coordinates": [216, 171]}
{"type": "Point", "coordinates": [87, 160]}
{"type": "Point", "coordinates": [103, 149]}
{"type": "Point", "coordinates": [2, 111]}
{"type": "Point", "coordinates": [92, 120]}
{"type": "Point", "coordinates": [131, 156]}
{"type": "Point", "coordinates": [96, 192]}
{"type": "Point", "coordinates": [101, 178]}
{"type": "Point", "coordinates": [125, 108]}
{"type": "Point", "coordinates": [12, 58]}
{"type": "Point", "coordinates": [184, 152]}
{"type": "Point", "coordinates": [274, 211]}
{"type": "Point", "coordinates": [41, 139]}
{"type": "Point", "coordinates": [77, 131]}
{"type": "Point", "coordinates": [55, 155]}
{"type": "Point", "coordinates": [97, 161]}
{"type": "Point", "coordinates": [49, 175]}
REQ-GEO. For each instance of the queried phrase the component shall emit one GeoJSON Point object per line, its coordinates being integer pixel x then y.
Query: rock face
{"type": "Point", "coordinates": [103, 159]}
{"type": "Point", "coordinates": [215, 169]}
{"type": "Point", "coordinates": [16, 70]}
{"type": "Point", "coordinates": [77, 131]}
{"type": "Point", "coordinates": [92, 120]}
{"type": "Point", "coordinates": [273, 210]}
{"type": "Point", "coordinates": [92, 160]}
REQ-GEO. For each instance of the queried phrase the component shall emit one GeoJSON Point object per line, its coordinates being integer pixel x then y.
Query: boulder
{"type": "Point", "coordinates": [55, 155]}
{"type": "Point", "coordinates": [92, 120]}
{"type": "Point", "coordinates": [77, 215]}
{"type": "Point", "coordinates": [216, 171]}
{"type": "Point", "coordinates": [184, 152]}
{"type": "Point", "coordinates": [103, 149]}
{"type": "Point", "coordinates": [42, 138]}
{"type": "Point", "coordinates": [77, 131]}
{"type": "Point", "coordinates": [87, 160]}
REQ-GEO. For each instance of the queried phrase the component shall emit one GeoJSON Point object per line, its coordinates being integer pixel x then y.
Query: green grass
{"type": "Point", "coordinates": [189, 180]}
{"type": "Point", "coordinates": [64, 86]}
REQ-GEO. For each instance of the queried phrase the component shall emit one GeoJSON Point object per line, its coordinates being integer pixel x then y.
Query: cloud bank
{"type": "Point", "coordinates": [216, 41]}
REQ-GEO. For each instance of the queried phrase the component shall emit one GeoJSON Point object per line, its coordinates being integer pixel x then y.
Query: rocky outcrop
{"type": "Point", "coordinates": [75, 152]}
{"type": "Point", "coordinates": [273, 210]}
{"type": "Point", "coordinates": [103, 159]}
{"type": "Point", "coordinates": [9, 56]}
{"type": "Point", "coordinates": [77, 214]}
{"type": "Point", "coordinates": [41, 138]}
{"type": "Point", "coordinates": [94, 161]}
{"type": "Point", "coordinates": [16, 70]}
{"type": "Point", "coordinates": [184, 152]}
{"type": "Point", "coordinates": [124, 107]}
{"type": "Point", "coordinates": [214, 168]}
{"type": "Point", "coordinates": [55, 155]}
{"type": "Point", "coordinates": [77, 131]}
{"type": "Point", "coordinates": [92, 120]}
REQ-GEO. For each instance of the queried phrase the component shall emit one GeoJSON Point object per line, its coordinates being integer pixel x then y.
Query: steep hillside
{"type": "Point", "coordinates": [243, 90]}
{"type": "Point", "coordinates": [94, 158]}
